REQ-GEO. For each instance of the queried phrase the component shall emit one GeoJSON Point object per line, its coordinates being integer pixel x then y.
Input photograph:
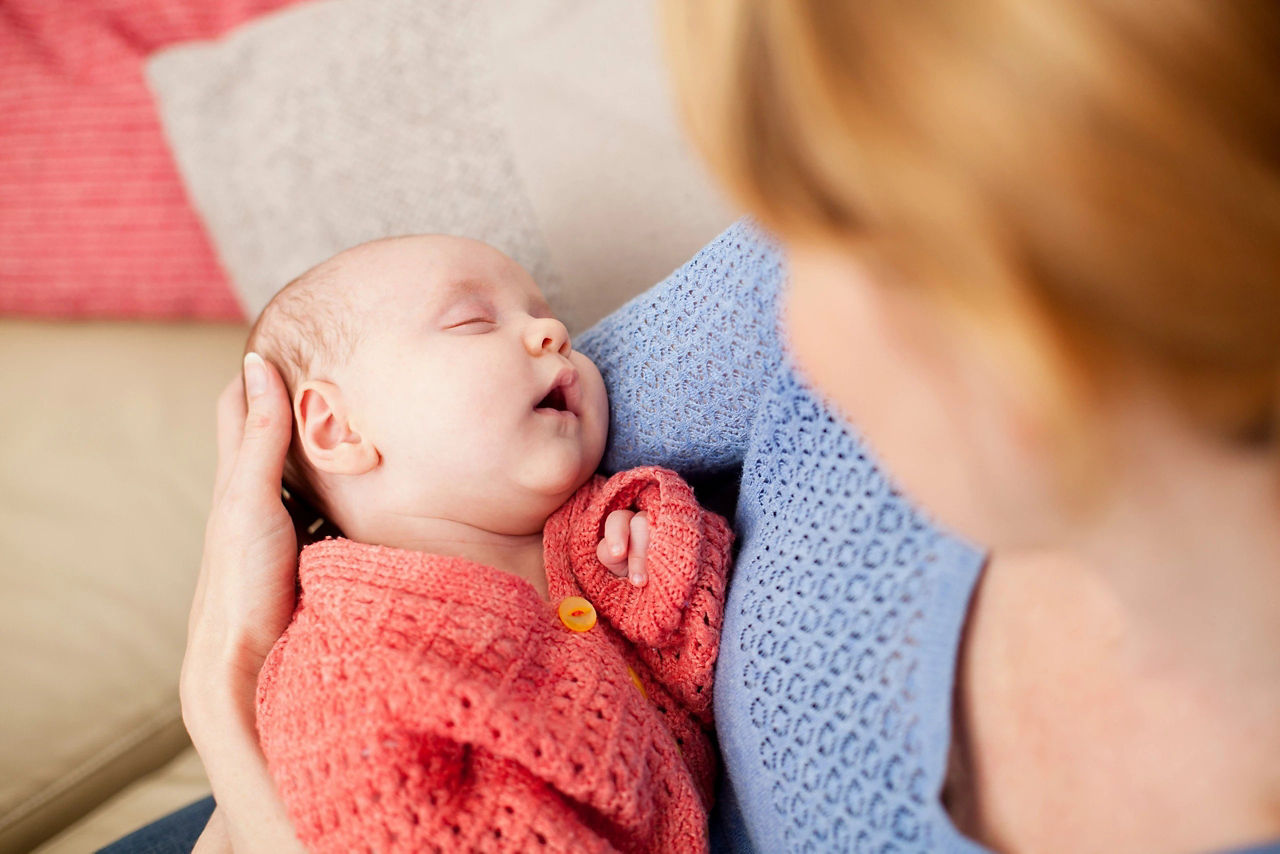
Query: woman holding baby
{"type": "Point", "coordinates": [1032, 270]}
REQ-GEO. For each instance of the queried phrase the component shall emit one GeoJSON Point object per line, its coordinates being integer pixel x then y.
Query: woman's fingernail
{"type": "Point", "coordinates": [255, 375]}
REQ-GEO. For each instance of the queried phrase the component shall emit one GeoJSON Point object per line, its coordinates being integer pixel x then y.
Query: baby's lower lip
{"type": "Point", "coordinates": [547, 410]}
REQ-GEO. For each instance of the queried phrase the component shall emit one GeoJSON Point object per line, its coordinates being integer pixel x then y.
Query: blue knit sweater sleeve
{"type": "Point", "coordinates": [686, 361]}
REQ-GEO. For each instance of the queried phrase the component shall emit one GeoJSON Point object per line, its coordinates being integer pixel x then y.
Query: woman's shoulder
{"type": "Point", "coordinates": [688, 361]}
{"type": "Point", "coordinates": [726, 293]}
{"type": "Point", "coordinates": [744, 267]}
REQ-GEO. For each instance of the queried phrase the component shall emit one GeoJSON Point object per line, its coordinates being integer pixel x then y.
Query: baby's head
{"type": "Point", "coordinates": [429, 380]}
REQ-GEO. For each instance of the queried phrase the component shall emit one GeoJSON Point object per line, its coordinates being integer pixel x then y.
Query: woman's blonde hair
{"type": "Point", "coordinates": [1090, 180]}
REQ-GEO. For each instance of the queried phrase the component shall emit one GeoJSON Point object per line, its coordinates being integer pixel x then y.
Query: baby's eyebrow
{"type": "Point", "coordinates": [464, 288]}
{"type": "Point", "coordinates": [457, 290]}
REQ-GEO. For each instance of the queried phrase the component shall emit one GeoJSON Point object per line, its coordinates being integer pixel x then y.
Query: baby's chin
{"type": "Point", "coordinates": [556, 481]}
{"type": "Point", "coordinates": [562, 488]}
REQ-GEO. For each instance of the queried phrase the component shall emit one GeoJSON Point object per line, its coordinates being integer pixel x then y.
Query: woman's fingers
{"type": "Point", "coordinates": [268, 427]}
{"type": "Point", "coordinates": [231, 413]}
{"type": "Point", "coordinates": [612, 550]}
{"type": "Point", "coordinates": [639, 549]}
{"type": "Point", "coordinates": [230, 432]}
{"type": "Point", "coordinates": [244, 593]}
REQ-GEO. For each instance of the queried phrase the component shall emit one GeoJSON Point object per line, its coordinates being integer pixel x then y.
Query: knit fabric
{"type": "Point", "coordinates": [419, 702]}
{"type": "Point", "coordinates": [846, 606]}
{"type": "Point", "coordinates": [94, 218]}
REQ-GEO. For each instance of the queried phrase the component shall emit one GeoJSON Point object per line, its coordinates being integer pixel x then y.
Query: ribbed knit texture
{"type": "Point", "coordinates": [844, 613]}
{"type": "Point", "coordinates": [94, 220]}
{"type": "Point", "coordinates": [420, 702]}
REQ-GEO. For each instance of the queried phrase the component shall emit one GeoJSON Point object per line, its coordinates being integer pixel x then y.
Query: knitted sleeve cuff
{"type": "Point", "coordinates": [686, 543]}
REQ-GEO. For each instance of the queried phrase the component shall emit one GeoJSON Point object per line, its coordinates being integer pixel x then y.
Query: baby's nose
{"type": "Point", "coordinates": [547, 335]}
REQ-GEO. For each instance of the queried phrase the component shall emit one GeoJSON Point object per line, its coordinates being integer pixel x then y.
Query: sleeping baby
{"type": "Point", "coordinates": [504, 651]}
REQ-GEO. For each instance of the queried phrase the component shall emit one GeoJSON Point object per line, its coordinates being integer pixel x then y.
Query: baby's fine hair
{"type": "Point", "coordinates": [307, 328]}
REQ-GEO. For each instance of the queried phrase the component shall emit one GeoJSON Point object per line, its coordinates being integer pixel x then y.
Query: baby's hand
{"type": "Point", "coordinates": [625, 544]}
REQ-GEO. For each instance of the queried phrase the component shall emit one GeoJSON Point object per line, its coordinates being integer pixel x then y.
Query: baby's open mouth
{"type": "Point", "coordinates": [562, 396]}
{"type": "Point", "coordinates": [554, 400]}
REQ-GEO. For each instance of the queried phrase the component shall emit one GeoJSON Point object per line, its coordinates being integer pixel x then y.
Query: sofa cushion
{"type": "Point", "coordinates": [106, 469]}
{"type": "Point", "coordinates": [172, 787]}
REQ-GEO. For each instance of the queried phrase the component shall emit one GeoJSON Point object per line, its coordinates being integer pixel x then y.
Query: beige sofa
{"type": "Point", "coordinates": [105, 476]}
{"type": "Point", "coordinates": [107, 434]}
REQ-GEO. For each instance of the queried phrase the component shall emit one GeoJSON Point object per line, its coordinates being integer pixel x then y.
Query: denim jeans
{"type": "Point", "coordinates": [176, 833]}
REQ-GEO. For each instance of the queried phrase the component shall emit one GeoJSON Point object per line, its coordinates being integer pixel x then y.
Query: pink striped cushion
{"type": "Point", "coordinates": [94, 221]}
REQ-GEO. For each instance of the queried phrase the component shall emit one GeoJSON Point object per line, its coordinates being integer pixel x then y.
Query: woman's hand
{"type": "Point", "coordinates": [625, 545]}
{"type": "Point", "coordinates": [244, 599]}
{"type": "Point", "coordinates": [245, 593]}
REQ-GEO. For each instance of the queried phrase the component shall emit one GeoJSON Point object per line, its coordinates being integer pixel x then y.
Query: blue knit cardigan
{"type": "Point", "coordinates": [846, 605]}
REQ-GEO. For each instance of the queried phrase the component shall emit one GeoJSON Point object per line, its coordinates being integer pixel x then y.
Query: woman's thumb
{"type": "Point", "coordinates": [268, 425]}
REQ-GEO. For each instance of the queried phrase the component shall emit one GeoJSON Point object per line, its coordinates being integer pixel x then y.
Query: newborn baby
{"type": "Point", "coordinates": [505, 651]}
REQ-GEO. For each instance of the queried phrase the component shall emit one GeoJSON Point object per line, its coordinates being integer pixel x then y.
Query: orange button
{"type": "Point", "coordinates": [635, 677]}
{"type": "Point", "coordinates": [577, 613]}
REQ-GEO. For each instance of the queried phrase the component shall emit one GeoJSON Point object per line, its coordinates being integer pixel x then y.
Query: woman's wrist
{"type": "Point", "coordinates": [217, 691]}
{"type": "Point", "coordinates": [220, 715]}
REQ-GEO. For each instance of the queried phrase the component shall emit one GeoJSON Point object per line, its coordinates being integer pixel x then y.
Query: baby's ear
{"type": "Point", "coordinates": [329, 441]}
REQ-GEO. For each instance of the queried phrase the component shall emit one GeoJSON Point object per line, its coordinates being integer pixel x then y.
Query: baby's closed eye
{"type": "Point", "coordinates": [469, 314]}
{"type": "Point", "coordinates": [469, 321]}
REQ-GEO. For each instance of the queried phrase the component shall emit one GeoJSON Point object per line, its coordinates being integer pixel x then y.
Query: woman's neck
{"type": "Point", "coordinates": [1190, 545]}
{"type": "Point", "coordinates": [1138, 653]}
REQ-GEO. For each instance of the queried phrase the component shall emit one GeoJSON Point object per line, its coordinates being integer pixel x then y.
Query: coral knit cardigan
{"type": "Point", "coordinates": [419, 702]}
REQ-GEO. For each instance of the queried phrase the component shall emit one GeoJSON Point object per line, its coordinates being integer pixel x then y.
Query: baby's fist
{"type": "Point", "coordinates": [625, 544]}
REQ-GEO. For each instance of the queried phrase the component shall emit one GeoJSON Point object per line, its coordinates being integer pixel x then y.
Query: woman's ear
{"type": "Point", "coordinates": [329, 439]}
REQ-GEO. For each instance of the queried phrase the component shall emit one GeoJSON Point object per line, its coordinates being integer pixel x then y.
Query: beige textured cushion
{"type": "Point", "coordinates": [106, 468]}
{"type": "Point", "coordinates": [542, 127]}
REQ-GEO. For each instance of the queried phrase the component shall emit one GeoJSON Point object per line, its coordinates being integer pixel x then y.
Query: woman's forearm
{"type": "Point", "coordinates": [214, 839]}
{"type": "Point", "coordinates": [222, 729]}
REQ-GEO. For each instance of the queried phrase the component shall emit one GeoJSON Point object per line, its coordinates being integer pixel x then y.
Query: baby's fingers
{"type": "Point", "coordinates": [636, 559]}
{"type": "Point", "coordinates": [612, 550]}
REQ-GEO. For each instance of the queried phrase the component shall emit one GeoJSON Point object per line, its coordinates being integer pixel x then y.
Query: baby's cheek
{"type": "Point", "coordinates": [594, 396]}
{"type": "Point", "coordinates": [595, 405]}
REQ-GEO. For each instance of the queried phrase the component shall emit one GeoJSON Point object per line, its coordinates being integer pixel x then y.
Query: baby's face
{"type": "Point", "coordinates": [467, 385]}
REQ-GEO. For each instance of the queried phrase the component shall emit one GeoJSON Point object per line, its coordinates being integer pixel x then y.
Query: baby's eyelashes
{"type": "Point", "coordinates": [473, 324]}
